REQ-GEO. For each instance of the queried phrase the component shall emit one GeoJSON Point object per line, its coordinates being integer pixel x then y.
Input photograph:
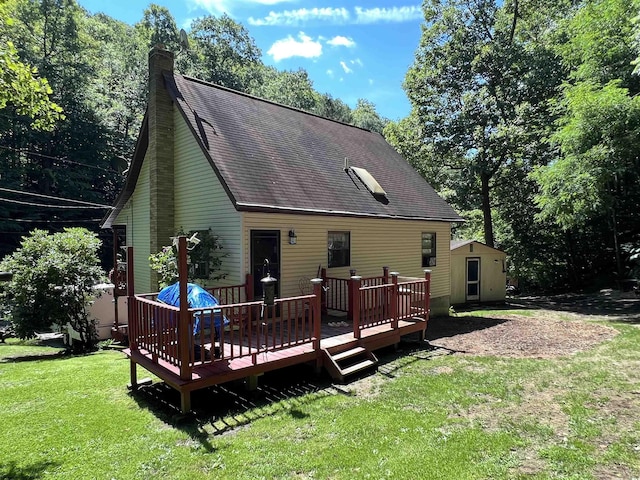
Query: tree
{"type": "Point", "coordinates": [80, 158]}
{"type": "Point", "coordinates": [365, 116]}
{"type": "Point", "coordinates": [20, 86]}
{"type": "Point", "coordinates": [159, 27]}
{"type": "Point", "coordinates": [204, 259]}
{"type": "Point", "coordinates": [333, 108]}
{"type": "Point", "coordinates": [287, 87]}
{"type": "Point", "coordinates": [597, 173]}
{"type": "Point", "coordinates": [53, 279]}
{"type": "Point", "coordinates": [479, 85]}
{"type": "Point", "coordinates": [223, 51]}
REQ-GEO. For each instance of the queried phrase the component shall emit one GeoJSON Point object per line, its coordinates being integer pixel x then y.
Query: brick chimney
{"type": "Point", "coordinates": [160, 153]}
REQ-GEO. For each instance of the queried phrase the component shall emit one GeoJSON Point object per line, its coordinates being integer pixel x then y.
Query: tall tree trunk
{"type": "Point", "coordinates": [486, 209]}
{"type": "Point", "coordinates": [616, 249]}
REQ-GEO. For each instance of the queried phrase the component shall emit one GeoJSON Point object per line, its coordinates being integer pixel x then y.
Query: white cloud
{"type": "Point", "coordinates": [295, 17]}
{"type": "Point", "coordinates": [224, 5]}
{"type": "Point", "coordinates": [394, 14]}
{"type": "Point", "coordinates": [340, 41]}
{"type": "Point", "coordinates": [289, 47]}
{"type": "Point", "coordinates": [357, 61]}
{"type": "Point", "coordinates": [330, 73]}
{"type": "Point", "coordinates": [345, 67]}
{"type": "Point", "coordinates": [371, 81]}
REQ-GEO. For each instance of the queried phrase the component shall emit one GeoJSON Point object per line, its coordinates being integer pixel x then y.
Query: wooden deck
{"type": "Point", "coordinates": [336, 335]}
{"type": "Point", "coordinates": [193, 348]}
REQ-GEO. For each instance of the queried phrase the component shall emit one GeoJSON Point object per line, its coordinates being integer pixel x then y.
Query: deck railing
{"type": "Point", "coordinates": [153, 327]}
{"type": "Point", "coordinates": [389, 302]}
{"type": "Point", "coordinates": [232, 294]}
{"type": "Point", "coordinates": [336, 290]}
{"type": "Point", "coordinates": [224, 332]}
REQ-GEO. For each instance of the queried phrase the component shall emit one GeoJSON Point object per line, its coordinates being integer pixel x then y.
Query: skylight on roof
{"type": "Point", "coordinates": [371, 183]}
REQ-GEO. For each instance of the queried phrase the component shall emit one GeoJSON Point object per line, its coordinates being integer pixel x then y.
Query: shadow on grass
{"type": "Point", "coordinates": [35, 357]}
{"type": "Point", "coordinates": [11, 471]}
{"type": "Point", "coordinates": [442, 327]}
{"type": "Point", "coordinates": [221, 409]}
{"type": "Point", "coordinates": [607, 303]}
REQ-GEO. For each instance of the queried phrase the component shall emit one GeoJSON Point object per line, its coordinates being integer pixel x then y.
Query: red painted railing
{"type": "Point", "coordinates": [390, 302]}
{"type": "Point", "coordinates": [153, 327]}
{"type": "Point", "coordinates": [223, 332]}
{"type": "Point", "coordinates": [336, 291]}
{"type": "Point", "coordinates": [234, 293]}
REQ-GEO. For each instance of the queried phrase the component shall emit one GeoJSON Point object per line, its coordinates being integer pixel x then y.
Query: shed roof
{"type": "Point", "coordinates": [455, 244]}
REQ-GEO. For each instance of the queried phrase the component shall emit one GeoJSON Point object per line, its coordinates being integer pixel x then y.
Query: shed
{"type": "Point", "coordinates": [478, 273]}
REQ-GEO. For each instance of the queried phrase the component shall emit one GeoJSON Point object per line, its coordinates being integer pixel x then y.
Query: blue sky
{"type": "Point", "coordinates": [350, 50]}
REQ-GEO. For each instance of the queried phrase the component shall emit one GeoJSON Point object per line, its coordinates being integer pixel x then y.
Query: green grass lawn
{"type": "Point", "coordinates": [424, 414]}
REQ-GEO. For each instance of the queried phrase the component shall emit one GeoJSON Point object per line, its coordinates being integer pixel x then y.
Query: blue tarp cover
{"type": "Point", "coordinates": [197, 297]}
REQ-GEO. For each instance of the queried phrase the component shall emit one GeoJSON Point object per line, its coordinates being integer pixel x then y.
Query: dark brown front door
{"type": "Point", "coordinates": [265, 257]}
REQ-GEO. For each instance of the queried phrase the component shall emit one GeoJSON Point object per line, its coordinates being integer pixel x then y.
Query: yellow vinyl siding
{"type": "Point", "coordinates": [135, 215]}
{"type": "Point", "coordinates": [492, 276]}
{"type": "Point", "coordinates": [374, 243]}
{"type": "Point", "coordinates": [202, 203]}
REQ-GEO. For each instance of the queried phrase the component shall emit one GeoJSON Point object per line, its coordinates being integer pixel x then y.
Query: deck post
{"type": "Point", "coordinates": [248, 287]}
{"type": "Point", "coordinates": [183, 323]}
{"type": "Point", "coordinates": [131, 303]}
{"type": "Point", "coordinates": [317, 319]}
{"type": "Point", "coordinates": [185, 401]}
{"type": "Point", "coordinates": [115, 282]}
{"type": "Point", "coordinates": [394, 304]}
{"type": "Point", "coordinates": [354, 303]}
{"type": "Point", "coordinates": [323, 299]}
{"type": "Point", "coordinates": [133, 374]}
{"type": "Point", "coordinates": [352, 273]}
{"type": "Point", "coordinates": [427, 295]}
{"type": "Point", "coordinates": [385, 275]}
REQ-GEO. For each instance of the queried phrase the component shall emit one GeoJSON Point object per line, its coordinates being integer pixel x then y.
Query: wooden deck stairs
{"type": "Point", "coordinates": [348, 360]}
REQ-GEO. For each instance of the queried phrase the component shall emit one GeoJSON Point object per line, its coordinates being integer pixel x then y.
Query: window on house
{"type": "Point", "coordinates": [339, 248]}
{"type": "Point", "coordinates": [428, 249]}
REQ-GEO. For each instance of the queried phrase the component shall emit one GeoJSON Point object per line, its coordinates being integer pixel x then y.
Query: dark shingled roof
{"type": "Point", "coordinates": [270, 157]}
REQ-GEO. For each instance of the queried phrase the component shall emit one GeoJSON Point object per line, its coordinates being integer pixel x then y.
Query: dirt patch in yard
{"type": "Point", "coordinates": [545, 327]}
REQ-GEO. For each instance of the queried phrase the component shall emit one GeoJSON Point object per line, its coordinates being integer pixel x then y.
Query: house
{"type": "Point", "coordinates": [279, 184]}
{"type": "Point", "coordinates": [478, 273]}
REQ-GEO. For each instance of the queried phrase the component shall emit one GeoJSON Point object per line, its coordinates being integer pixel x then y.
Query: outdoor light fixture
{"type": "Point", "coordinates": [293, 239]}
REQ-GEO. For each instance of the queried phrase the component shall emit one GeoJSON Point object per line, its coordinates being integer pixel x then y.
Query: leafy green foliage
{"type": "Point", "coordinates": [365, 116]}
{"type": "Point", "coordinates": [479, 87]}
{"type": "Point", "coordinates": [53, 279]}
{"type": "Point", "coordinates": [204, 258]}
{"type": "Point", "coordinates": [20, 86]}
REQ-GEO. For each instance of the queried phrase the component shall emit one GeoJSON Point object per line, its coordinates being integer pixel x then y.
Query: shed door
{"type": "Point", "coordinates": [473, 279]}
{"type": "Point", "coordinates": [265, 245]}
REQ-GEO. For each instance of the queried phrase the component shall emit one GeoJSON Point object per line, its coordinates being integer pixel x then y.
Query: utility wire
{"type": "Point", "coordinates": [91, 220]}
{"type": "Point", "coordinates": [21, 150]}
{"type": "Point", "coordinates": [49, 197]}
{"type": "Point", "coordinates": [43, 205]}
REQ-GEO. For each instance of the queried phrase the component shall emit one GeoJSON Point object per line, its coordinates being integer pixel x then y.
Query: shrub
{"type": "Point", "coordinates": [53, 279]}
{"type": "Point", "coordinates": [204, 258]}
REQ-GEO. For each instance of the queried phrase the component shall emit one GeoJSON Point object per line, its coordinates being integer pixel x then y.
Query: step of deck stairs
{"type": "Point", "coordinates": [349, 362]}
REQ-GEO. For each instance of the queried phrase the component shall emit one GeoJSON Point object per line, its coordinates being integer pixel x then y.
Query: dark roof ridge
{"type": "Point", "coordinates": [288, 107]}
